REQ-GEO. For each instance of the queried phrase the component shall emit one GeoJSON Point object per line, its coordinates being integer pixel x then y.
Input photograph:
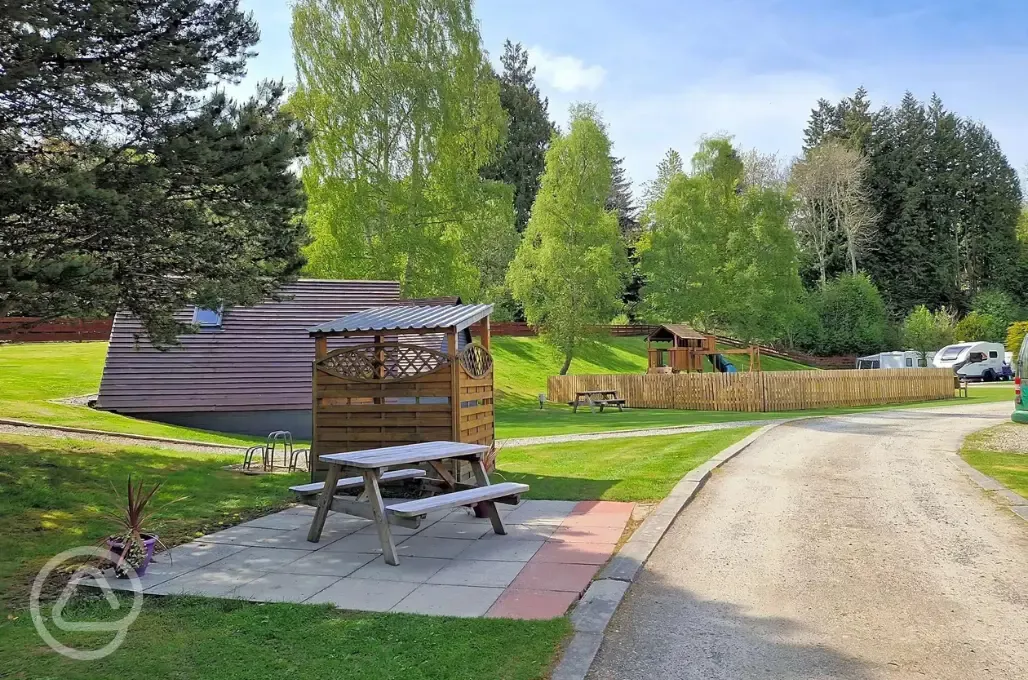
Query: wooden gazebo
{"type": "Point", "coordinates": [688, 348]}
{"type": "Point", "coordinates": [418, 376]}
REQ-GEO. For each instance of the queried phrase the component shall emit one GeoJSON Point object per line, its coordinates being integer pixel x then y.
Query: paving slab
{"type": "Point", "coordinates": [447, 600]}
{"type": "Point", "coordinates": [532, 604]}
{"type": "Point", "coordinates": [260, 559]}
{"type": "Point", "coordinates": [504, 551]}
{"type": "Point", "coordinates": [360, 543]}
{"type": "Point", "coordinates": [573, 578]}
{"type": "Point", "coordinates": [465, 530]}
{"type": "Point", "coordinates": [428, 546]}
{"type": "Point", "coordinates": [363, 594]}
{"type": "Point", "coordinates": [481, 573]}
{"type": "Point", "coordinates": [283, 587]}
{"type": "Point", "coordinates": [210, 581]}
{"type": "Point", "coordinates": [522, 532]}
{"type": "Point", "coordinates": [588, 534]}
{"type": "Point", "coordinates": [240, 535]}
{"type": "Point", "coordinates": [326, 563]}
{"type": "Point", "coordinates": [531, 511]}
{"type": "Point", "coordinates": [279, 521]}
{"type": "Point", "coordinates": [575, 553]}
{"type": "Point", "coordinates": [410, 569]}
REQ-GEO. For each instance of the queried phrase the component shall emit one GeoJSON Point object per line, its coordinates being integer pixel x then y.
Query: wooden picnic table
{"type": "Point", "coordinates": [599, 398]}
{"type": "Point", "coordinates": [375, 465]}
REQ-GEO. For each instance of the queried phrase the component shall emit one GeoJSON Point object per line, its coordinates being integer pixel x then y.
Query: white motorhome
{"type": "Point", "coordinates": [907, 359]}
{"type": "Point", "coordinates": [981, 360]}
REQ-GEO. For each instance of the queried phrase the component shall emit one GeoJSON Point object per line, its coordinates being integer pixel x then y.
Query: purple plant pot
{"type": "Point", "coordinates": [118, 549]}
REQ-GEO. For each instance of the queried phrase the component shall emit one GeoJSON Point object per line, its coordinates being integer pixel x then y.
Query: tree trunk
{"type": "Point", "coordinates": [853, 256]}
{"type": "Point", "coordinates": [567, 364]}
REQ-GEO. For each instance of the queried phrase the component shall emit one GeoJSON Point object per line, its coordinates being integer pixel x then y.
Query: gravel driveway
{"type": "Point", "coordinates": [846, 547]}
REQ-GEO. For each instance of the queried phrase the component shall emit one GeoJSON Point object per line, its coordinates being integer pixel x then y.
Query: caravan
{"type": "Point", "coordinates": [907, 359]}
{"type": "Point", "coordinates": [981, 360]}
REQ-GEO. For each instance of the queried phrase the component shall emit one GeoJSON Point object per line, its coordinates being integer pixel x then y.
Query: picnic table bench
{"type": "Point", "coordinates": [599, 398]}
{"type": "Point", "coordinates": [374, 465]}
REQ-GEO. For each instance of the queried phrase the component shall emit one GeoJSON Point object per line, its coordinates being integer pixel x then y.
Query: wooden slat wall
{"type": "Point", "coordinates": [477, 423]}
{"type": "Point", "coordinates": [347, 417]}
{"type": "Point", "coordinates": [767, 391]}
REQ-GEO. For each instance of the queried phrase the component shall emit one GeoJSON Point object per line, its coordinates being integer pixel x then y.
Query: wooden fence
{"type": "Point", "coordinates": [767, 391]}
{"type": "Point", "coordinates": [30, 329]}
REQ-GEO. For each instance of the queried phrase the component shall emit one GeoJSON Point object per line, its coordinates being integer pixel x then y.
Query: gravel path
{"type": "Point", "coordinates": [844, 547]}
{"type": "Point", "coordinates": [43, 431]}
{"type": "Point", "coordinates": [620, 434]}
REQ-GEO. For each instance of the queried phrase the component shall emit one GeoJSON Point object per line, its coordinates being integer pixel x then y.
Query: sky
{"type": "Point", "coordinates": [665, 72]}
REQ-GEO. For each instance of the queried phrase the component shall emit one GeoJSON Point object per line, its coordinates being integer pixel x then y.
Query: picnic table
{"type": "Point", "coordinates": [376, 466]}
{"type": "Point", "coordinates": [599, 398]}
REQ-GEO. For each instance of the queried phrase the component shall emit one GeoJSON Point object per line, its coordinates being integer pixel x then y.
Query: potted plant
{"type": "Point", "coordinates": [132, 547]}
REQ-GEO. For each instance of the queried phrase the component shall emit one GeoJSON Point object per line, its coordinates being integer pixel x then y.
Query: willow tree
{"type": "Point", "coordinates": [569, 270]}
{"type": "Point", "coordinates": [405, 112]}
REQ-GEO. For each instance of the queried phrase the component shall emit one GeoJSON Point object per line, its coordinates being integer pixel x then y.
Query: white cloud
{"type": "Point", "coordinates": [564, 72]}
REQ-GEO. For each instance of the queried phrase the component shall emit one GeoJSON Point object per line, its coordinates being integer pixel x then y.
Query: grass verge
{"type": "Point", "coordinates": [1000, 452]}
{"type": "Point", "coordinates": [181, 637]}
{"type": "Point", "coordinates": [637, 469]}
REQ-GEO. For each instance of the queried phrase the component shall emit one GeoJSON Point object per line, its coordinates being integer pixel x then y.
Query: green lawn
{"type": "Point", "coordinates": [34, 373]}
{"type": "Point", "coordinates": [985, 452]}
{"type": "Point", "coordinates": [186, 638]}
{"type": "Point", "coordinates": [634, 469]}
{"type": "Point", "coordinates": [52, 496]}
{"type": "Point", "coordinates": [54, 493]}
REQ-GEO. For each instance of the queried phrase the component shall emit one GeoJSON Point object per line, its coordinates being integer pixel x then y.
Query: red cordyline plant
{"type": "Point", "coordinates": [135, 513]}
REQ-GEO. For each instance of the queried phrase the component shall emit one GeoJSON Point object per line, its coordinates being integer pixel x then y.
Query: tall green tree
{"type": "Point", "coordinates": [621, 200]}
{"type": "Point", "coordinates": [127, 180]}
{"type": "Point", "coordinates": [405, 112]}
{"type": "Point", "coordinates": [569, 270]}
{"type": "Point", "coordinates": [523, 157]}
{"type": "Point", "coordinates": [925, 331]}
{"type": "Point", "coordinates": [718, 256]}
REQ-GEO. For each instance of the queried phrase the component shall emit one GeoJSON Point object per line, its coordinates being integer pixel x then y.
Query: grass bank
{"type": "Point", "coordinates": [639, 469]}
{"type": "Point", "coordinates": [33, 374]}
{"type": "Point", "coordinates": [1002, 453]}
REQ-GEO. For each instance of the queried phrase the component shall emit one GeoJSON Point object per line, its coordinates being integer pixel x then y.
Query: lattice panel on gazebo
{"type": "Point", "coordinates": [375, 363]}
{"type": "Point", "coordinates": [476, 361]}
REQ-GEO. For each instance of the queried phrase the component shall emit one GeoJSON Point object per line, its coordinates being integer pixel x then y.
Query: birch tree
{"type": "Point", "coordinates": [405, 113]}
{"type": "Point", "coordinates": [570, 268]}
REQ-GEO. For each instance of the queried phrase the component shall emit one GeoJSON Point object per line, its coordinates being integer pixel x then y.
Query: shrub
{"type": "Point", "coordinates": [851, 316]}
{"type": "Point", "coordinates": [977, 326]}
{"type": "Point", "coordinates": [925, 331]}
{"type": "Point", "coordinates": [1015, 335]}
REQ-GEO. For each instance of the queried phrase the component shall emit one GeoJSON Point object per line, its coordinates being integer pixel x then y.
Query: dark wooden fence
{"type": "Point", "coordinates": [28, 329]}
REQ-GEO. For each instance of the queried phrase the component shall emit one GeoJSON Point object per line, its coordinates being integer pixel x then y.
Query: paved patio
{"type": "Point", "coordinates": [453, 565]}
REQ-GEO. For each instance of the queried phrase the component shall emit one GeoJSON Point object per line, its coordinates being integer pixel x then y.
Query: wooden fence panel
{"type": "Point", "coordinates": [767, 391]}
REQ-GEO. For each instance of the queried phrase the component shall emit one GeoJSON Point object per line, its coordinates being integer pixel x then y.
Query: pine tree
{"type": "Point", "coordinates": [128, 181]}
{"type": "Point", "coordinates": [621, 200]}
{"type": "Point", "coordinates": [523, 156]}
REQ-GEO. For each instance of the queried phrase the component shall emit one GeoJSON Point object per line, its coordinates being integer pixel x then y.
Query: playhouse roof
{"type": "Point", "coordinates": [671, 330]}
{"type": "Point", "coordinates": [406, 318]}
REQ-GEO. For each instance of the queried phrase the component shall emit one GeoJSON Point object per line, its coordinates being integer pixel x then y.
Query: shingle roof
{"type": "Point", "coordinates": [679, 329]}
{"type": "Point", "coordinates": [260, 359]}
{"type": "Point", "coordinates": [405, 318]}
